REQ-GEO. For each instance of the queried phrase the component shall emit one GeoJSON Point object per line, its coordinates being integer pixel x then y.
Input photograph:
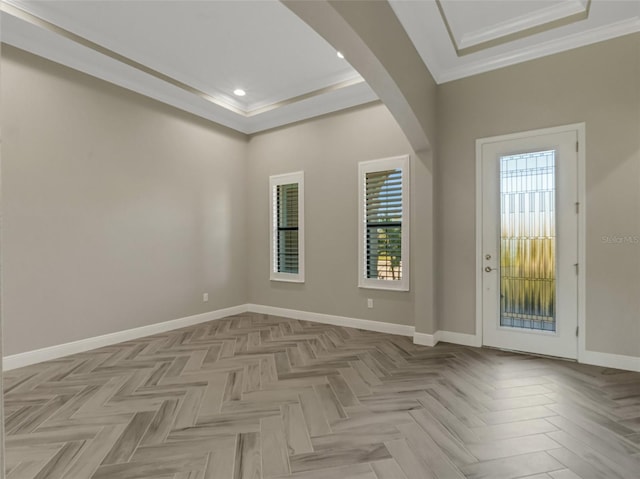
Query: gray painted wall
{"type": "Point", "coordinates": [118, 211]}
{"type": "Point", "coordinates": [117, 208]}
{"type": "Point", "coordinates": [328, 150]}
{"type": "Point", "coordinates": [598, 84]}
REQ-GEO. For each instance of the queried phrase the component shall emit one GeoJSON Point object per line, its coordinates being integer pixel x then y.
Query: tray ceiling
{"type": "Point", "coordinates": [194, 54]}
{"type": "Point", "coordinates": [460, 38]}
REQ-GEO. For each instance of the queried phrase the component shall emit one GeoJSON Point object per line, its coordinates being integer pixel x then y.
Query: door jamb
{"type": "Point", "coordinates": [580, 129]}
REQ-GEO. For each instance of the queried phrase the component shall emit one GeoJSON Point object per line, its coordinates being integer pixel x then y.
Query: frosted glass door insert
{"type": "Point", "coordinates": [528, 241]}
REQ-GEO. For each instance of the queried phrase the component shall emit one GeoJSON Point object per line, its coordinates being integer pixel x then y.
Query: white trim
{"type": "Point", "coordinates": [366, 324]}
{"type": "Point", "coordinates": [459, 338]}
{"type": "Point", "coordinates": [275, 181]}
{"type": "Point", "coordinates": [582, 243]}
{"type": "Point", "coordinates": [53, 352]}
{"type": "Point", "coordinates": [580, 39]}
{"type": "Point", "coordinates": [609, 360]}
{"type": "Point", "coordinates": [549, 14]}
{"type": "Point", "coordinates": [424, 339]}
{"type": "Point", "coordinates": [15, 361]}
{"type": "Point", "coordinates": [479, 204]}
{"type": "Point", "coordinates": [590, 357]}
{"type": "Point", "coordinates": [327, 95]}
{"type": "Point", "coordinates": [364, 167]}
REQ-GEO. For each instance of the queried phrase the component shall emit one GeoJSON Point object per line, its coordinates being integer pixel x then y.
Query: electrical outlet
{"type": "Point", "coordinates": [205, 297]}
{"type": "Point", "coordinates": [369, 303]}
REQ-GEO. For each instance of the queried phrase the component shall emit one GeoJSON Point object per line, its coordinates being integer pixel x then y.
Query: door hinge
{"type": "Point", "coordinates": [577, 268]}
{"type": "Point", "coordinates": [577, 207]}
{"type": "Point", "coordinates": [577, 143]}
{"type": "Point", "coordinates": [577, 330]}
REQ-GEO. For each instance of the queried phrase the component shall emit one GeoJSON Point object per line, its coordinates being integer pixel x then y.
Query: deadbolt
{"type": "Point", "coordinates": [487, 257]}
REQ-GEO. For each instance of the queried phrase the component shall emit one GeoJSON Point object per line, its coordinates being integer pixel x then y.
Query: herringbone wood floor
{"type": "Point", "coordinates": [256, 396]}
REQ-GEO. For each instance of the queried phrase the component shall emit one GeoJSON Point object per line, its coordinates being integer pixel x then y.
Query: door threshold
{"type": "Point", "coordinates": [537, 355]}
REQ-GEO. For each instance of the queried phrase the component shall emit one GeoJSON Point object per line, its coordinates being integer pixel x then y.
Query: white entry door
{"type": "Point", "coordinates": [529, 236]}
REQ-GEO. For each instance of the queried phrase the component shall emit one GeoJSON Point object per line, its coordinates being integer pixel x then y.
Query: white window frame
{"type": "Point", "coordinates": [364, 167]}
{"type": "Point", "coordinates": [274, 182]}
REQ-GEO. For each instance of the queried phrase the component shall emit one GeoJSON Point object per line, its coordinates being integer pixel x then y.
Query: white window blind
{"type": "Point", "coordinates": [384, 250]}
{"type": "Point", "coordinates": [287, 227]}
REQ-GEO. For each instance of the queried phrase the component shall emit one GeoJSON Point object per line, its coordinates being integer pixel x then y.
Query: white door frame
{"type": "Point", "coordinates": [580, 129]}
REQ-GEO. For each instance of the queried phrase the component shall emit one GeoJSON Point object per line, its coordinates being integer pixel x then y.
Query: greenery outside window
{"type": "Point", "coordinates": [384, 223]}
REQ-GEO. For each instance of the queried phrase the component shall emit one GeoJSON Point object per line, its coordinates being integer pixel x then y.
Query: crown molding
{"type": "Point", "coordinates": [624, 27]}
{"type": "Point", "coordinates": [544, 16]}
{"type": "Point", "coordinates": [548, 18]}
{"type": "Point", "coordinates": [26, 31]}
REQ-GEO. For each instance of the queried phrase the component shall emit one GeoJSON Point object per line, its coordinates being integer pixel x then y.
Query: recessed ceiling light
{"type": "Point", "coordinates": [239, 92]}
{"type": "Point", "coordinates": [340, 55]}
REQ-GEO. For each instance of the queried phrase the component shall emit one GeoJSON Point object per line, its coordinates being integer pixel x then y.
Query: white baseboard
{"type": "Point", "coordinates": [459, 338]}
{"type": "Point", "coordinates": [617, 361]}
{"type": "Point", "coordinates": [608, 360]}
{"type": "Point", "coordinates": [447, 337]}
{"type": "Point", "coordinates": [378, 326]}
{"type": "Point", "coordinates": [424, 339]}
{"type": "Point", "coordinates": [53, 352]}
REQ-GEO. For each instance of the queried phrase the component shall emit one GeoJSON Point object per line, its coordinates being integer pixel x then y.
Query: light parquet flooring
{"type": "Point", "coordinates": [254, 396]}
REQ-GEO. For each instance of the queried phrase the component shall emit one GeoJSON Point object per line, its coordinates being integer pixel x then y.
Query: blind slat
{"type": "Point", "coordinates": [383, 217]}
{"type": "Point", "coordinates": [287, 224]}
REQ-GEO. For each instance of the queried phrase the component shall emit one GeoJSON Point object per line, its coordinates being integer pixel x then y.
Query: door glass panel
{"type": "Point", "coordinates": [528, 241]}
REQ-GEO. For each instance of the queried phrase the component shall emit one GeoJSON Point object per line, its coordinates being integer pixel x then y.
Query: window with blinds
{"type": "Point", "coordinates": [384, 251]}
{"type": "Point", "coordinates": [287, 238]}
{"type": "Point", "coordinates": [287, 219]}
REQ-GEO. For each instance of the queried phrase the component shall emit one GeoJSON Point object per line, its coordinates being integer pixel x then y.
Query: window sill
{"type": "Point", "coordinates": [287, 279]}
{"type": "Point", "coordinates": [385, 287]}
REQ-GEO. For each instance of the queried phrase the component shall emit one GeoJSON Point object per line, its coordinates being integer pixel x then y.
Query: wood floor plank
{"type": "Point", "coordinates": [357, 437]}
{"type": "Point", "coordinates": [314, 416]}
{"type": "Point", "coordinates": [580, 467]}
{"type": "Point", "coordinates": [275, 453]}
{"type": "Point", "coordinates": [126, 444]}
{"type": "Point", "coordinates": [355, 382]}
{"type": "Point", "coordinates": [412, 466]}
{"type": "Point", "coordinates": [333, 410]}
{"type": "Point", "coordinates": [564, 474]}
{"type": "Point", "coordinates": [520, 414]}
{"type": "Point", "coordinates": [247, 458]}
{"type": "Point", "coordinates": [345, 395]}
{"type": "Point", "coordinates": [219, 465]}
{"type": "Point", "coordinates": [57, 465]}
{"type": "Point", "coordinates": [261, 397]}
{"type": "Point", "coordinates": [338, 457]}
{"type": "Point", "coordinates": [92, 455]}
{"type": "Point", "coordinates": [161, 423]}
{"type": "Point", "coordinates": [509, 447]}
{"type": "Point", "coordinates": [387, 469]}
{"type": "Point", "coordinates": [295, 429]}
{"type": "Point", "coordinates": [513, 430]}
{"type": "Point", "coordinates": [616, 465]}
{"type": "Point", "coordinates": [453, 447]}
{"type": "Point", "coordinates": [430, 453]}
{"type": "Point", "coordinates": [357, 471]}
{"type": "Point", "coordinates": [512, 467]}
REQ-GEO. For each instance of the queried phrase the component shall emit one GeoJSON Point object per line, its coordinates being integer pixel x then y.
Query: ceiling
{"type": "Point", "coordinates": [460, 38]}
{"type": "Point", "coordinates": [194, 54]}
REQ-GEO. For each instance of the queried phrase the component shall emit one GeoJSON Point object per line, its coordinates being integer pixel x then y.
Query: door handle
{"type": "Point", "coordinates": [489, 269]}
